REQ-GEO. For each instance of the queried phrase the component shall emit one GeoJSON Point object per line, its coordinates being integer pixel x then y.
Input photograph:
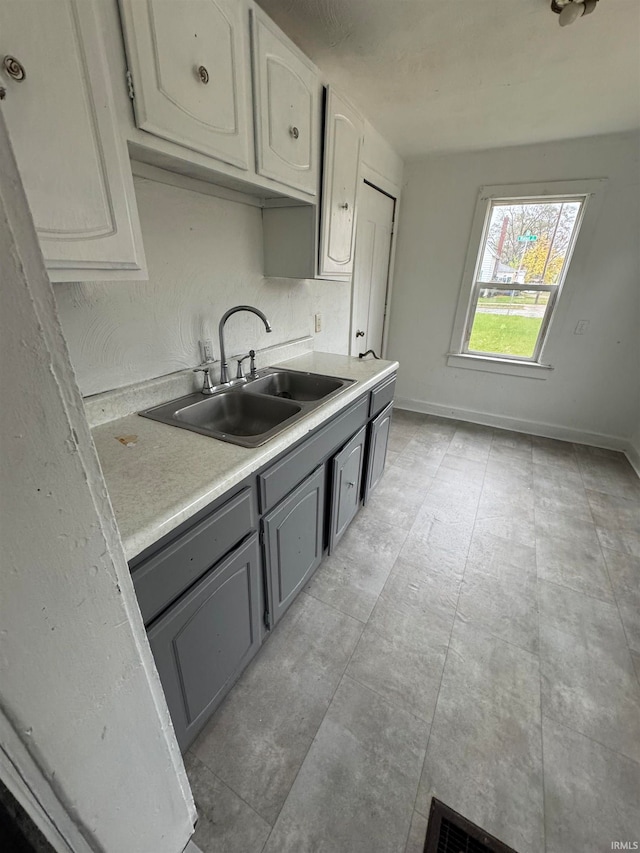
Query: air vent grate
{"type": "Point", "coordinates": [450, 832]}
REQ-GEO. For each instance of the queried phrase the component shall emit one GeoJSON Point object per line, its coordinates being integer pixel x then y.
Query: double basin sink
{"type": "Point", "coordinates": [251, 412]}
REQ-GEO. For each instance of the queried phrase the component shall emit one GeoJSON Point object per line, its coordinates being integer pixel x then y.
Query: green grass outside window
{"type": "Point", "coordinates": [504, 335]}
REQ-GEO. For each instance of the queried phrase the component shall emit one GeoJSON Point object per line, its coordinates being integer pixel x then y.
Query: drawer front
{"type": "Point", "coordinates": [382, 395]}
{"type": "Point", "coordinates": [277, 481]}
{"type": "Point", "coordinates": [163, 577]}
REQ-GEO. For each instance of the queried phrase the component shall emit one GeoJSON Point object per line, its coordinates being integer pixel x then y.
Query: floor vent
{"type": "Point", "coordinates": [450, 832]}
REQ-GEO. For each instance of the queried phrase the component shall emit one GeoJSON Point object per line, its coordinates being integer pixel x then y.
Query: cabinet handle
{"type": "Point", "coordinates": [293, 130]}
{"type": "Point", "coordinates": [203, 74]}
{"type": "Point", "coordinates": [3, 93]}
{"type": "Point", "coordinates": [345, 206]}
{"type": "Point", "coordinates": [14, 68]}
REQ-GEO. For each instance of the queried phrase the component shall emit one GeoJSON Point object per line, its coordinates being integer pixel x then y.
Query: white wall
{"type": "Point", "coordinates": [593, 392]}
{"type": "Point", "coordinates": [633, 451]}
{"type": "Point", "coordinates": [85, 735]}
{"type": "Point", "coordinates": [204, 256]}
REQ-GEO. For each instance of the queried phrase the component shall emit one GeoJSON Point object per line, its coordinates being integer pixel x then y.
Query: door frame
{"type": "Point", "coordinates": [376, 180]}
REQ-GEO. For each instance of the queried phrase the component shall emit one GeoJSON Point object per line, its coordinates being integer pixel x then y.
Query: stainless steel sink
{"type": "Point", "coordinates": [251, 413]}
{"type": "Point", "coordinates": [237, 414]}
{"type": "Point", "coordinates": [288, 385]}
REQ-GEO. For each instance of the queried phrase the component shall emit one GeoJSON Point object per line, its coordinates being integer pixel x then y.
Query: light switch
{"type": "Point", "coordinates": [318, 322]}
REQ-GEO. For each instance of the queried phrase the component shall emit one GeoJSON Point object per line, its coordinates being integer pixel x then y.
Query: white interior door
{"type": "Point", "coordinates": [371, 271]}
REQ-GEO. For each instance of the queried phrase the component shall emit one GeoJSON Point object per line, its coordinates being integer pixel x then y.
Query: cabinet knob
{"type": "Point", "coordinates": [359, 334]}
{"type": "Point", "coordinates": [293, 130]}
{"type": "Point", "coordinates": [14, 68]}
{"type": "Point", "coordinates": [351, 485]}
{"type": "Point", "coordinates": [345, 206]}
{"type": "Point", "coordinates": [203, 74]}
{"type": "Point", "coordinates": [3, 93]}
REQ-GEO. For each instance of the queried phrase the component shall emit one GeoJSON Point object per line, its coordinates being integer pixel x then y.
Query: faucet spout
{"type": "Point", "coordinates": [224, 373]}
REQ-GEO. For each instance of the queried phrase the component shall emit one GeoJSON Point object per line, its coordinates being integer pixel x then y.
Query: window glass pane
{"type": "Point", "coordinates": [527, 242]}
{"type": "Point", "coordinates": [508, 322]}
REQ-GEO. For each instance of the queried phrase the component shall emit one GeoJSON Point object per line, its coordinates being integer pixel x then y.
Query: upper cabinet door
{"type": "Point", "coordinates": [344, 131]}
{"type": "Point", "coordinates": [189, 62]}
{"type": "Point", "coordinates": [286, 89]}
{"type": "Point", "coordinates": [59, 112]}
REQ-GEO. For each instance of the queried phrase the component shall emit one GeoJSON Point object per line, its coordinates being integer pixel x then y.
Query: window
{"type": "Point", "coordinates": [521, 246]}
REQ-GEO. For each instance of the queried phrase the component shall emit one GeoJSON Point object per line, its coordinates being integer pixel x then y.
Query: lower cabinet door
{"type": "Point", "coordinates": [293, 541]}
{"type": "Point", "coordinates": [376, 457]}
{"type": "Point", "coordinates": [346, 486]}
{"type": "Point", "coordinates": [205, 640]}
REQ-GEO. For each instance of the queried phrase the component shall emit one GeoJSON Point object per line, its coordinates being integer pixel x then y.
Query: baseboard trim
{"type": "Point", "coordinates": [633, 455]}
{"type": "Point", "coordinates": [562, 433]}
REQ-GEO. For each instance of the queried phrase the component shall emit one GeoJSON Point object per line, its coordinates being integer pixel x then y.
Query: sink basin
{"type": "Point", "coordinates": [302, 387]}
{"type": "Point", "coordinates": [237, 414]}
{"type": "Point", "coordinates": [250, 413]}
{"type": "Point", "coordinates": [245, 419]}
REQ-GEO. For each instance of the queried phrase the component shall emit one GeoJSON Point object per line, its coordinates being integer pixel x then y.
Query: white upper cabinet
{"type": "Point", "coordinates": [58, 108]}
{"type": "Point", "coordinates": [286, 96]}
{"type": "Point", "coordinates": [319, 241]}
{"type": "Point", "coordinates": [190, 68]}
{"type": "Point", "coordinates": [344, 130]}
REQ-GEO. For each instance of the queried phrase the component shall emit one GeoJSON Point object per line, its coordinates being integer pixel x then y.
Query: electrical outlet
{"type": "Point", "coordinates": [318, 322]}
{"type": "Point", "coordinates": [206, 350]}
{"type": "Point", "coordinates": [581, 327]}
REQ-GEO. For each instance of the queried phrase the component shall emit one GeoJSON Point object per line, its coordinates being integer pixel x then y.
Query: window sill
{"type": "Point", "coordinates": [528, 369]}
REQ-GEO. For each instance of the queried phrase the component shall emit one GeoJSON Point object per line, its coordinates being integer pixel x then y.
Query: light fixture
{"type": "Point", "coordinates": [570, 10]}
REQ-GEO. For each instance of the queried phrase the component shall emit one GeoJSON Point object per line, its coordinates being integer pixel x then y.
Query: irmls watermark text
{"type": "Point", "coordinates": [625, 845]}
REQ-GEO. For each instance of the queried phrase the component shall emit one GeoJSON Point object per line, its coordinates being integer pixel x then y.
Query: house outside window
{"type": "Point", "coordinates": [520, 253]}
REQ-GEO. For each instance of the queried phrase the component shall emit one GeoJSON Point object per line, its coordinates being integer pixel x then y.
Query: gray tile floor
{"type": "Point", "coordinates": [475, 637]}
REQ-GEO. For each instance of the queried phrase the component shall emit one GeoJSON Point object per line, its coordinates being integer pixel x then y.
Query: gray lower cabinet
{"type": "Point", "coordinates": [378, 441]}
{"type": "Point", "coordinates": [293, 535]}
{"type": "Point", "coordinates": [161, 578]}
{"type": "Point", "coordinates": [205, 640]}
{"type": "Point", "coordinates": [346, 483]}
{"type": "Point", "coordinates": [205, 624]}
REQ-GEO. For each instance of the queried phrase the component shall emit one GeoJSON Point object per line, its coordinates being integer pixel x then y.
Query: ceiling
{"type": "Point", "coordinates": [454, 75]}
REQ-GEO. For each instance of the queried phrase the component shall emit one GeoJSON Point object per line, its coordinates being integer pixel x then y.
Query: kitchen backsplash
{"type": "Point", "coordinates": [204, 255]}
{"type": "Point", "coordinates": [120, 402]}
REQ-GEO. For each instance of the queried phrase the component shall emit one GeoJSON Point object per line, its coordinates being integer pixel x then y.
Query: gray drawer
{"type": "Point", "coordinates": [277, 481]}
{"type": "Point", "coordinates": [382, 395]}
{"type": "Point", "coordinates": [163, 577]}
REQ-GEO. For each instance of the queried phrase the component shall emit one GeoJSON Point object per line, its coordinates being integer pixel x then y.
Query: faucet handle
{"type": "Point", "coordinates": [207, 384]}
{"type": "Point", "coordinates": [253, 372]}
{"type": "Point", "coordinates": [240, 374]}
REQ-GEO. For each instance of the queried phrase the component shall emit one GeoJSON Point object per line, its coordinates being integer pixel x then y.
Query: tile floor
{"type": "Point", "coordinates": [474, 637]}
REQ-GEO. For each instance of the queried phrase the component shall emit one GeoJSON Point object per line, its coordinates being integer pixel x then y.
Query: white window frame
{"type": "Point", "coordinates": [536, 366]}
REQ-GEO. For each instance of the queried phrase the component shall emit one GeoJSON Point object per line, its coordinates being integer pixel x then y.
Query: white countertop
{"type": "Point", "coordinates": [167, 474]}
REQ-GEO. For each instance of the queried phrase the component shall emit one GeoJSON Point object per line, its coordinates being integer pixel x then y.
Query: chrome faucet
{"type": "Point", "coordinates": [224, 373]}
